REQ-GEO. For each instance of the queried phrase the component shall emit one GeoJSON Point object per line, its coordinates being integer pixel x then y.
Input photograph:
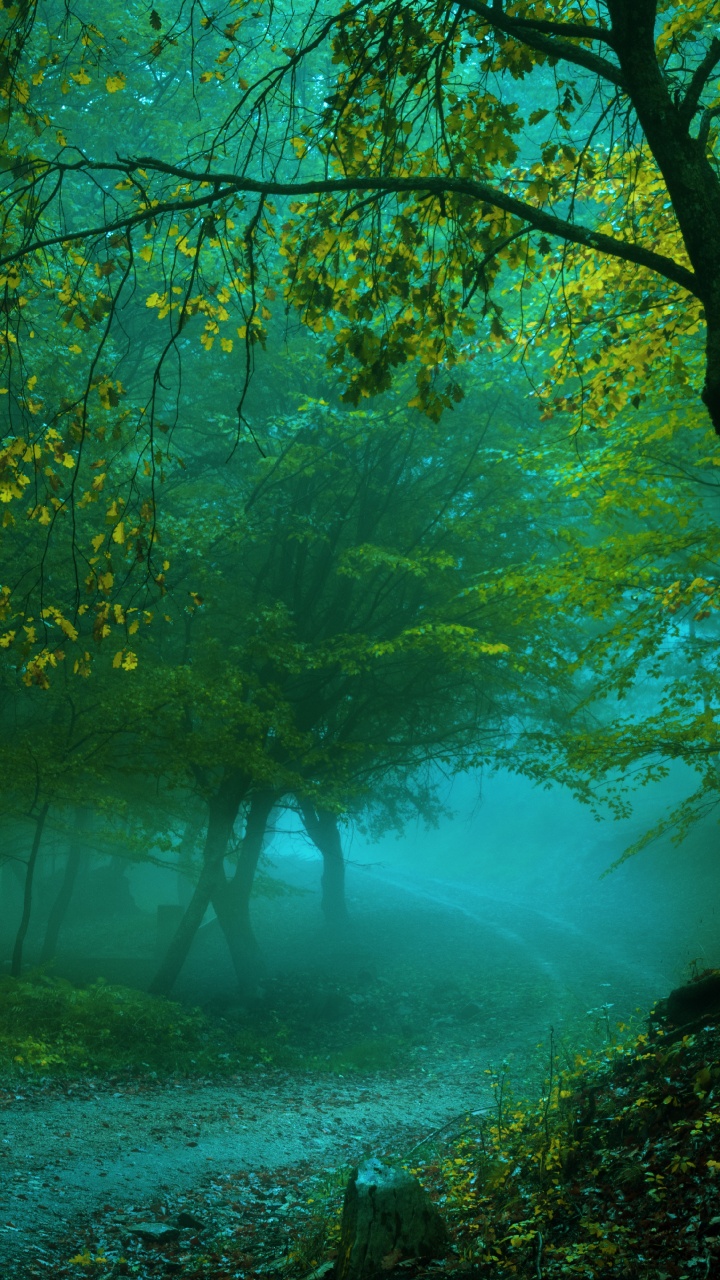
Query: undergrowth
{"type": "Point", "coordinates": [613, 1169]}
{"type": "Point", "coordinates": [51, 1028]}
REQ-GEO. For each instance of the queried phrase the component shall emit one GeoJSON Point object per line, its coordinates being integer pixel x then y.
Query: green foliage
{"type": "Point", "coordinates": [49, 1027]}
{"type": "Point", "coordinates": [593, 1176]}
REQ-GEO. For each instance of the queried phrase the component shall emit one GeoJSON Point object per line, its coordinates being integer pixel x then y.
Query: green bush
{"type": "Point", "coordinates": [47, 1025]}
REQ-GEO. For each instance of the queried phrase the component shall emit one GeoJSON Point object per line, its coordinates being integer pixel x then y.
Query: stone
{"type": "Point", "coordinates": [698, 999]}
{"type": "Point", "coordinates": [160, 1232]}
{"type": "Point", "coordinates": [387, 1217]}
{"type": "Point", "coordinates": [187, 1219]}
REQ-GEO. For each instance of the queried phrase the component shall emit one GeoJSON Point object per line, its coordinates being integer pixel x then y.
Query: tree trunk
{"type": "Point", "coordinates": [321, 825]}
{"type": "Point", "coordinates": [17, 956]}
{"type": "Point", "coordinates": [232, 900]}
{"type": "Point", "coordinates": [184, 862]}
{"type": "Point", "coordinates": [64, 897]}
{"type": "Point", "coordinates": [222, 812]}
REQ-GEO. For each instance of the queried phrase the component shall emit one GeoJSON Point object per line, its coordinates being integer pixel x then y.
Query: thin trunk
{"type": "Point", "coordinates": [64, 897]}
{"type": "Point", "coordinates": [321, 825]}
{"type": "Point", "coordinates": [232, 901]}
{"type": "Point", "coordinates": [222, 812]}
{"type": "Point", "coordinates": [184, 862]}
{"type": "Point", "coordinates": [17, 956]}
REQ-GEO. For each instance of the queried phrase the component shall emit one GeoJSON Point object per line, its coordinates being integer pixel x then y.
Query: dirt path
{"type": "Point", "coordinates": [65, 1156]}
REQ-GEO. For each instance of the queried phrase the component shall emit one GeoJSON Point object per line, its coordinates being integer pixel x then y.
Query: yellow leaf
{"type": "Point", "coordinates": [68, 461]}
{"type": "Point", "coordinates": [130, 661]}
{"type": "Point", "coordinates": [115, 83]}
{"type": "Point", "coordinates": [146, 255]}
{"type": "Point", "coordinates": [81, 77]}
{"type": "Point", "coordinates": [97, 541]}
{"type": "Point", "coordinates": [226, 344]}
{"type": "Point", "coordinates": [118, 534]}
{"type": "Point", "coordinates": [118, 658]}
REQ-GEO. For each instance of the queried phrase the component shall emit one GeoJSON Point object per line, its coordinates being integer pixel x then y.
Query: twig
{"type": "Point", "coordinates": [538, 1256]}
{"type": "Point", "coordinates": [436, 1132]}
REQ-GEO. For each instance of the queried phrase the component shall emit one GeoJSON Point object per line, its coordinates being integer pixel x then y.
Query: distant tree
{"type": "Point", "coordinates": [334, 636]}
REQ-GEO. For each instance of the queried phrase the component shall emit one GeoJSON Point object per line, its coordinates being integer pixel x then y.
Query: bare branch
{"type": "Point", "coordinates": [705, 122]}
{"type": "Point", "coordinates": [701, 75]}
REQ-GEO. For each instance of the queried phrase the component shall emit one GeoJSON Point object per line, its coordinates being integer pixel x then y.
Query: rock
{"type": "Point", "coordinates": [160, 1232]}
{"type": "Point", "coordinates": [694, 1000]}
{"type": "Point", "coordinates": [186, 1219]}
{"type": "Point", "coordinates": [698, 999]}
{"type": "Point", "coordinates": [386, 1217]}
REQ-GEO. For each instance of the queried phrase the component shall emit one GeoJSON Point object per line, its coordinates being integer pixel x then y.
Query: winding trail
{"type": "Point", "coordinates": [66, 1155]}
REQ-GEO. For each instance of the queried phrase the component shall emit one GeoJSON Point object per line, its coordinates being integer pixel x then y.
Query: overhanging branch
{"type": "Point", "coordinates": [557, 46]}
{"type": "Point", "coordinates": [228, 184]}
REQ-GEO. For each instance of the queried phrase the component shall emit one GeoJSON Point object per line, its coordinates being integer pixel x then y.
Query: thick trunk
{"type": "Point", "coordinates": [711, 390]}
{"type": "Point", "coordinates": [232, 901]}
{"type": "Point", "coordinates": [64, 897]}
{"type": "Point", "coordinates": [321, 825]}
{"type": "Point", "coordinates": [222, 812]}
{"type": "Point", "coordinates": [17, 956]}
{"type": "Point", "coordinates": [691, 180]}
{"type": "Point", "coordinates": [679, 147]}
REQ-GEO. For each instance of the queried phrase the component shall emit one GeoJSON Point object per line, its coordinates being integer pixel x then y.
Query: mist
{"type": "Point", "coordinates": [359, 638]}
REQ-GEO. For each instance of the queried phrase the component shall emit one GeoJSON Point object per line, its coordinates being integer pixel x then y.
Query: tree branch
{"type": "Point", "coordinates": [705, 122]}
{"type": "Point", "coordinates": [701, 75]}
{"type": "Point", "coordinates": [539, 219]}
{"type": "Point", "coordinates": [228, 184]}
{"type": "Point", "coordinates": [529, 33]}
{"type": "Point", "coordinates": [120, 224]}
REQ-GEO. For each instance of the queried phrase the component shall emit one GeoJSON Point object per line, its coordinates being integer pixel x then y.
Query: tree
{"type": "Point", "coordinates": [334, 642]}
{"type": "Point", "coordinates": [633, 584]}
{"type": "Point", "coordinates": [418, 185]}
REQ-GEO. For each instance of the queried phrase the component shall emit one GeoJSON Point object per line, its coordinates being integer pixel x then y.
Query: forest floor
{"type": "Point", "coordinates": [369, 1047]}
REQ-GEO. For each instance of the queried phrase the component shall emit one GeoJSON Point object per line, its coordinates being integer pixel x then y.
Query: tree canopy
{"type": "Point", "coordinates": [351, 371]}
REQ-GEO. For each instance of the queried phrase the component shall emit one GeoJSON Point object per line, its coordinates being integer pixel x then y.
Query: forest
{"type": "Point", "coordinates": [359, 637]}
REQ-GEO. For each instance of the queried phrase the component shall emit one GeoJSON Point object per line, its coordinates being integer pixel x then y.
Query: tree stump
{"type": "Point", "coordinates": [386, 1217]}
